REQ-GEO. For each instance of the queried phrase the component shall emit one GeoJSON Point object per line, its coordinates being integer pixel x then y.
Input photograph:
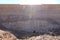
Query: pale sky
{"type": "Point", "coordinates": [29, 2]}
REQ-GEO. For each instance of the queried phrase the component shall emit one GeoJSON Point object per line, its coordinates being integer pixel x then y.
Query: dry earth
{"type": "Point", "coordinates": [5, 35]}
{"type": "Point", "coordinates": [44, 37]}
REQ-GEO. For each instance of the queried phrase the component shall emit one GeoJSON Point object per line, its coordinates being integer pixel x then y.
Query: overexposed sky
{"type": "Point", "coordinates": [29, 2]}
{"type": "Point", "coordinates": [33, 2]}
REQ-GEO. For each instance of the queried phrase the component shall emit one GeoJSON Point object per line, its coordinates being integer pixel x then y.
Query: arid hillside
{"type": "Point", "coordinates": [30, 18]}
{"type": "Point", "coordinates": [5, 35]}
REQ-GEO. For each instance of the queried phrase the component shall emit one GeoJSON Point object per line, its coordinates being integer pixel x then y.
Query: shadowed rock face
{"type": "Point", "coordinates": [31, 18]}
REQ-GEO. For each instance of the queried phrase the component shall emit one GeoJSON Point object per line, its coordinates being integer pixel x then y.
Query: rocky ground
{"type": "Point", "coordinates": [44, 37]}
{"type": "Point", "coordinates": [5, 35]}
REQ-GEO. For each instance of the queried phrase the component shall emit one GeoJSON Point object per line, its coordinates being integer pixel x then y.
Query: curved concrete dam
{"type": "Point", "coordinates": [30, 18]}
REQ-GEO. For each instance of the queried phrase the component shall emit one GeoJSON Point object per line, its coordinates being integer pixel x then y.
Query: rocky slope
{"type": "Point", "coordinates": [30, 18]}
{"type": "Point", "coordinates": [23, 20]}
{"type": "Point", "coordinates": [5, 35]}
{"type": "Point", "coordinates": [44, 37]}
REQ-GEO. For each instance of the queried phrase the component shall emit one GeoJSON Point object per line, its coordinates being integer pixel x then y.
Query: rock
{"type": "Point", "coordinates": [44, 37]}
{"type": "Point", "coordinates": [5, 35]}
